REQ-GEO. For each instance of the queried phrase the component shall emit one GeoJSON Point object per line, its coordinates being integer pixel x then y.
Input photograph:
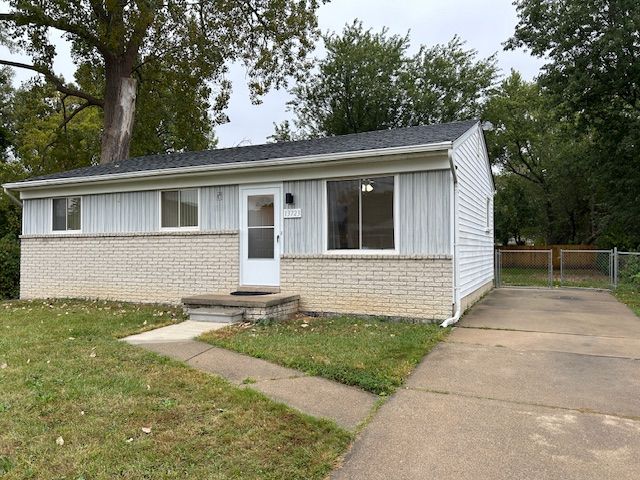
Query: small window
{"type": "Point", "coordinates": [67, 214]}
{"type": "Point", "coordinates": [179, 208]}
{"type": "Point", "coordinates": [360, 214]}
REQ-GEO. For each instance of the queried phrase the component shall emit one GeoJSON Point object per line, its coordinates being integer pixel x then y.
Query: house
{"type": "Point", "coordinates": [395, 223]}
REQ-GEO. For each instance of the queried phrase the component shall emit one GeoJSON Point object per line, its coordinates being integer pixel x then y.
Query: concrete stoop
{"type": "Point", "coordinates": [227, 308]}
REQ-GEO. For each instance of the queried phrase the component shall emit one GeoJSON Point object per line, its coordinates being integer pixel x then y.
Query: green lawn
{"type": "Point", "coordinates": [373, 354]}
{"type": "Point", "coordinates": [539, 277]}
{"type": "Point", "coordinates": [629, 294]}
{"type": "Point", "coordinates": [64, 375]}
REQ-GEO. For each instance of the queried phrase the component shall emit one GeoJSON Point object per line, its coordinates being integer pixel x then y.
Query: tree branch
{"type": "Point", "coordinates": [59, 84]}
{"type": "Point", "coordinates": [68, 119]}
{"type": "Point", "coordinates": [21, 19]}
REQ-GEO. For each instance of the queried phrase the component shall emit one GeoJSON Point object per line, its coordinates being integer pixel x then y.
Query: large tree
{"type": "Point", "coordinates": [592, 48]}
{"type": "Point", "coordinates": [369, 81]}
{"type": "Point", "coordinates": [544, 157]}
{"type": "Point", "coordinates": [119, 39]}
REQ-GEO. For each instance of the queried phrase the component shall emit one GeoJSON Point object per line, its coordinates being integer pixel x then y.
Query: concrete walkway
{"type": "Point", "coordinates": [178, 332]}
{"type": "Point", "coordinates": [347, 406]}
{"type": "Point", "coordinates": [537, 384]}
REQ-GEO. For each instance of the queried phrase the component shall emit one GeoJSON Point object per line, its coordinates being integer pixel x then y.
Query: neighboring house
{"type": "Point", "coordinates": [395, 222]}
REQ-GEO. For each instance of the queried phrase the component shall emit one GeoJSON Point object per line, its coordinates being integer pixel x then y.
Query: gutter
{"type": "Point", "coordinates": [454, 245]}
{"type": "Point", "coordinates": [276, 162]}
{"type": "Point", "coordinates": [12, 197]}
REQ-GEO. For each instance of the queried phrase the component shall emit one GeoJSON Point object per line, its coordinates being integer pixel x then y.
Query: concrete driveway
{"type": "Point", "coordinates": [533, 384]}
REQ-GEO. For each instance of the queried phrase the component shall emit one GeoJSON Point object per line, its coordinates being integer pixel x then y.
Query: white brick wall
{"type": "Point", "coordinates": [405, 286]}
{"type": "Point", "coordinates": [129, 267]}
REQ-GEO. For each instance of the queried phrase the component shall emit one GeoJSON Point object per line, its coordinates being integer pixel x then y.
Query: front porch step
{"type": "Point", "coordinates": [216, 315]}
{"type": "Point", "coordinates": [250, 308]}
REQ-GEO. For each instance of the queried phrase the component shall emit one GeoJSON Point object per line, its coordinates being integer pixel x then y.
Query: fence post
{"type": "Point", "coordinates": [615, 267]}
{"type": "Point", "coordinates": [561, 266]}
{"type": "Point", "coordinates": [551, 268]}
{"type": "Point", "coordinates": [497, 267]}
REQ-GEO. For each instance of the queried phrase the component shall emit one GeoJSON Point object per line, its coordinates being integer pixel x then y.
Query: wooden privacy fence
{"type": "Point", "coordinates": [533, 260]}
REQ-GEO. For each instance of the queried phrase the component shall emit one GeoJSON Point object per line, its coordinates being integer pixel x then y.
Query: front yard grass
{"type": "Point", "coordinates": [376, 355]}
{"type": "Point", "coordinates": [74, 402]}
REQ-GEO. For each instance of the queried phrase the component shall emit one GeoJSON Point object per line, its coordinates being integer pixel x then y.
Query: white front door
{"type": "Point", "coordinates": [260, 220]}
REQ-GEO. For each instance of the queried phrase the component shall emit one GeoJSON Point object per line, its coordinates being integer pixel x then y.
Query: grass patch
{"type": "Point", "coordinates": [629, 294]}
{"type": "Point", "coordinates": [64, 376]}
{"type": "Point", "coordinates": [375, 355]}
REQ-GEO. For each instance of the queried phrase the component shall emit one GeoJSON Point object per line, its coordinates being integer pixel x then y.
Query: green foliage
{"type": "Point", "coordinates": [546, 191]}
{"type": "Point", "coordinates": [516, 214]}
{"type": "Point", "coordinates": [376, 355]}
{"type": "Point", "coordinates": [43, 142]}
{"type": "Point", "coordinates": [593, 74]}
{"type": "Point", "coordinates": [9, 267]}
{"type": "Point", "coordinates": [629, 270]}
{"type": "Point", "coordinates": [368, 81]}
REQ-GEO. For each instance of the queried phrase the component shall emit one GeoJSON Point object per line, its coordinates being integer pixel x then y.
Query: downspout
{"type": "Point", "coordinates": [454, 244]}
{"type": "Point", "coordinates": [12, 197]}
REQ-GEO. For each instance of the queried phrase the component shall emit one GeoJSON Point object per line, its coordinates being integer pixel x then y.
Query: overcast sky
{"type": "Point", "coordinates": [484, 25]}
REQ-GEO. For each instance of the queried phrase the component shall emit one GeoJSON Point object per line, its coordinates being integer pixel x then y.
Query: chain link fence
{"type": "Point", "coordinates": [627, 268]}
{"type": "Point", "coordinates": [574, 268]}
{"type": "Point", "coordinates": [529, 268]}
{"type": "Point", "coordinates": [586, 268]}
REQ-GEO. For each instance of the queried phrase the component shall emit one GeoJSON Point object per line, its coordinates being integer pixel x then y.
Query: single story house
{"type": "Point", "coordinates": [395, 223]}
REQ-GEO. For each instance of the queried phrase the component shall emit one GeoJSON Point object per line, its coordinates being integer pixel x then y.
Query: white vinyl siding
{"type": "Point", "coordinates": [36, 216]}
{"type": "Point", "coordinates": [219, 208]}
{"type": "Point", "coordinates": [129, 212]}
{"type": "Point", "coordinates": [304, 235]}
{"type": "Point", "coordinates": [425, 213]}
{"type": "Point", "coordinates": [474, 217]}
{"type": "Point", "coordinates": [133, 212]}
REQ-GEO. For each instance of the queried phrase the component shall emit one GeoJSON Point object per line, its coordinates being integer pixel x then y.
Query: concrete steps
{"type": "Point", "coordinates": [226, 307]}
{"type": "Point", "coordinates": [215, 315]}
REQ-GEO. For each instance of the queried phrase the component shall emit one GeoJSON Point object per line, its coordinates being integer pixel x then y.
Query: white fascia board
{"type": "Point", "coordinates": [277, 162]}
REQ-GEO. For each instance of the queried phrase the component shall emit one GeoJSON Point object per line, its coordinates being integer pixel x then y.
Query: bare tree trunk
{"type": "Point", "coordinates": [119, 111]}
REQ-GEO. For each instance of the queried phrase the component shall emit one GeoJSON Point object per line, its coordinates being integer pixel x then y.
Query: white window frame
{"type": "Point", "coordinates": [66, 231]}
{"type": "Point", "coordinates": [360, 251]}
{"type": "Point", "coordinates": [178, 228]}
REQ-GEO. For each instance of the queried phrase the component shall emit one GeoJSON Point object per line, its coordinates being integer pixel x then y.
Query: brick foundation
{"type": "Point", "coordinates": [389, 285]}
{"type": "Point", "coordinates": [162, 267]}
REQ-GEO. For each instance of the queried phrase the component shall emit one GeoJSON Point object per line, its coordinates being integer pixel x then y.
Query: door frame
{"type": "Point", "coordinates": [260, 188]}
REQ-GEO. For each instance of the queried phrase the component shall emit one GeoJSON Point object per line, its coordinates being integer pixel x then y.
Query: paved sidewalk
{"type": "Point", "coordinates": [537, 384]}
{"type": "Point", "coordinates": [178, 332]}
{"type": "Point", "coordinates": [347, 406]}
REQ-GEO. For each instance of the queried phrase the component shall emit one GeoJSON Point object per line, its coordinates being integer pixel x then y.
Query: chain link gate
{"type": "Point", "coordinates": [587, 268]}
{"type": "Point", "coordinates": [584, 268]}
{"type": "Point", "coordinates": [626, 268]}
{"type": "Point", "coordinates": [524, 268]}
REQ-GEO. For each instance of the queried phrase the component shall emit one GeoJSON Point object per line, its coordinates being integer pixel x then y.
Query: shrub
{"type": "Point", "coordinates": [9, 267]}
{"type": "Point", "coordinates": [629, 269]}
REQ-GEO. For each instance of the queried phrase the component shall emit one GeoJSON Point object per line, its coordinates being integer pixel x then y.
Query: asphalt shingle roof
{"type": "Point", "coordinates": [401, 137]}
